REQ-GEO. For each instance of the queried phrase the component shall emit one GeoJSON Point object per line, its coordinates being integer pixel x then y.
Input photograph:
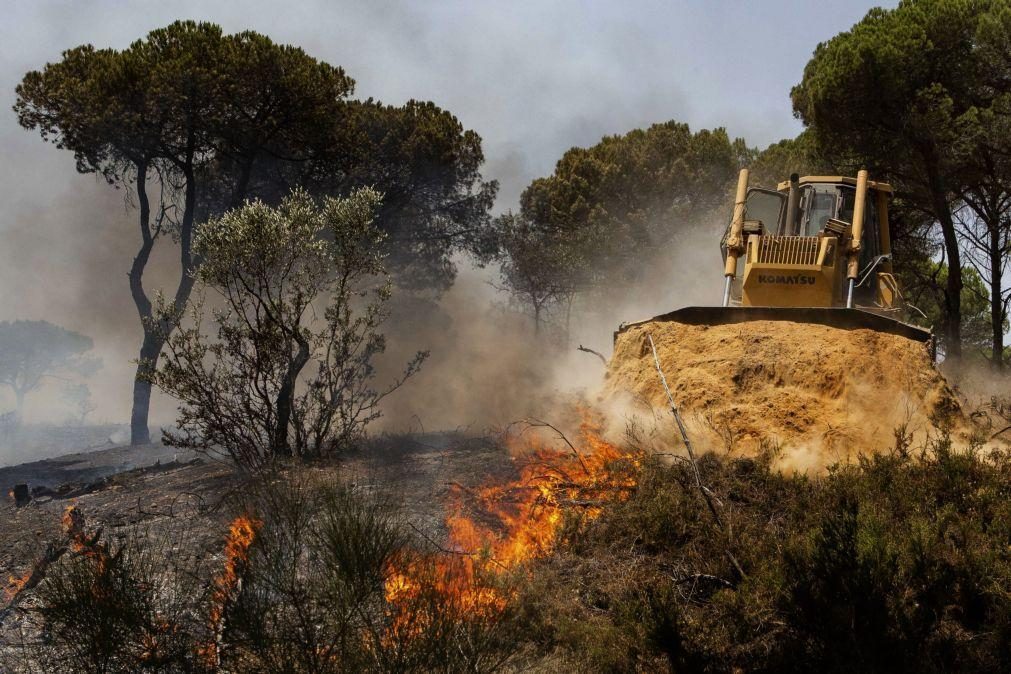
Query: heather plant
{"type": "Point", "coordinates": [337, 581]}
{"type": "Point", "coordinates": [115, 604]}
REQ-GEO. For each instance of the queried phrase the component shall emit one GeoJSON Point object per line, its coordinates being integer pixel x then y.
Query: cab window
{"type": "Point", "coordinates": [767, 206]}
{"type": "Point", "coordinates": [820, 205]}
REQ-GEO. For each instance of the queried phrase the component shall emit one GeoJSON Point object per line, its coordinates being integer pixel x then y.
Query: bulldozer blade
{"type": "Point", "coordinates": [846, 319]}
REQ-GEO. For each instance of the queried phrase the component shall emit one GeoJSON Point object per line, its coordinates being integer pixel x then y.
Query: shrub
{"type": "Point", "coordinates": [123, 606]}
{"type": "Point", "coordinates": [894, 563]}
{"type": "Point", "coordinates": [334, 584]}
{"type": "Point", "coordinates": [289, 371]}
{"type": "Point", "coordinates": [316, 577]}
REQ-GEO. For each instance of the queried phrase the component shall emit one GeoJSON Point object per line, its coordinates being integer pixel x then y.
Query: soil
{"type": "Point", "coordinates": [819, 393]}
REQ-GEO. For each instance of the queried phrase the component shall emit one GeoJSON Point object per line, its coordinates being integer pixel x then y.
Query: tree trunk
{"type": "Point", "coordinates": [286, 397]}
{"type": "Point", "coordinates": [953, 289]}
{"type": "Point", "coordinates": [154, 337]}
{"type": "Point", "coordinates": [996, 295]}
{"type": "Point", "coordinates": [150, 349]}
{"type": "Point", "coordinates": [139, 433]}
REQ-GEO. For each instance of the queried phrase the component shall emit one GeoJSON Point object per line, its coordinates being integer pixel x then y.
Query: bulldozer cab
{"type": "Point", "coordinates": [814, 250]}
{"type": "Point", "coordinates": [801, 248]}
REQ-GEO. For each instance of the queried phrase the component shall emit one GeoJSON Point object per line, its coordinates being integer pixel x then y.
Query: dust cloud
{"type": "Point", "coordinates": [488, 368]}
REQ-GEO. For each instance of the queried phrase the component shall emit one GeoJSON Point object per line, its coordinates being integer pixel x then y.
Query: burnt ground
{"type": "Point", "coordinates": [187, 501]}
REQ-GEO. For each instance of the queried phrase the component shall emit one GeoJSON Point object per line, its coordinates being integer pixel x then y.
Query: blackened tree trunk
{"type": "Point", "coordinates": [953, 288]}
{"type": "Point", "coordinates": [997, 310]}
{"type": "Point", "coordinates": [157, 329]}
{"type": "Point", "coordinates": [286, 397]}
{"type": "Point", "coordinates": [150, 349]}
{"type": "Point", "coordinates": [139, 431]}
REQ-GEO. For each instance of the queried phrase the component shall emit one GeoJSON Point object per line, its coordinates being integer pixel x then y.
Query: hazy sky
{"type": "Point", "coordinates": [533, 78]}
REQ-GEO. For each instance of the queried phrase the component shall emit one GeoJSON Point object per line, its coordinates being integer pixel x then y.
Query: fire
{"type": "Point", "coordinates": [73, 527]}
{"type": "Point", "coordinates": [527, 514]}
{"type": "Point", "coordinates": [153, 642]}
{"type": "Point", "coordinates": [14, 586]}
{"type": "Point", "coordinates": [519, 521]}
{"type": "Point", "coordinates": [91, 549]}
{"type": "Point", "coordinates": [240, 537]}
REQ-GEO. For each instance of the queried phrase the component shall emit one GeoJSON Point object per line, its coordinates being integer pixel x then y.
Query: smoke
{"type": "Point", "coordinates": [64, 260]}
{"type": "Point", "coordinates": [489, 368]}
{"type": "Point", "coordinates": [532, 79]}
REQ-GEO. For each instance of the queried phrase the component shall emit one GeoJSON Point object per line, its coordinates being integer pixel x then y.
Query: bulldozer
{"type": "Point", "coordinates": [814, 250]}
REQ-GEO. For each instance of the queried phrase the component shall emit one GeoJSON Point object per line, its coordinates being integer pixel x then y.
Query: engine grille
{"type": "Point", "coordinates": [788, 250]}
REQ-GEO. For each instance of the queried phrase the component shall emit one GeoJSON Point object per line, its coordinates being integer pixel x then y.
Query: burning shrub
{"type": "Point", "coordinates": [333, 583]}
{"type": "Point", "coordinates": [314, 577]}
{"type": "Point", "coordinates": [278, 381]}
{"type": "Point", "coordinates": [894, 563]}
{"type": "Point", "coordinates": [115, 606]}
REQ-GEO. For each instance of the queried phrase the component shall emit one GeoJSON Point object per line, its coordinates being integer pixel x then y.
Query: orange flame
{"type": "Point", "coordinates": [73, 527]}
{"type": "Point", "coordinates": [14, 586]}
{"type": "Point", "coordinates": [520, 521]}
{"type": "Point", "coordinates": [240, 537]}
{"type": "Point", "coordinates": [89, 548]}
{"type": "Point", "coordinates": [153, 642]}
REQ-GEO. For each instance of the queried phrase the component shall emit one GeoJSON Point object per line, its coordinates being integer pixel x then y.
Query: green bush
{"type": "Point", "coordinates": [899, 562]}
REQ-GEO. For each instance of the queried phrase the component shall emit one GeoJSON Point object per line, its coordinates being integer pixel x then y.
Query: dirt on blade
{"type": "Point", "coordinates": [816, 390]}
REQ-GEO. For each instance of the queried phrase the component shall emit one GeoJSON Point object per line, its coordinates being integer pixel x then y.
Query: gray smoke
{"type": "Point", "coordinates": [488, 368]}
{"type": "Point", "coordinates": [532, 78]}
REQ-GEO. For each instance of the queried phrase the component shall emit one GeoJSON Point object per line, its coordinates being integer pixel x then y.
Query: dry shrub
{"type": "Point", "coordinates": [126, 605]}
{"type": "Point", "coordinates": [320, 592]}
{"type": "Point", "coordinates": [313, 580]}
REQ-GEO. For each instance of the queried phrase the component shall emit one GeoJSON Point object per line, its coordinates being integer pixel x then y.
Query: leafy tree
{"type": "Point", "coordinates": [289, 370]}
{"type": "Point", "coordinates": [923, 281]}
{"type": "Point", "coordinates": [166, 113]}
{"type": "Point", "coordinates": [193, 122]}
{"type": "Point", "coordinates": [984, 227]}
{"type": "Point", "coordinates": [78, 396]}
{"type": "Point", "coordinates": [791, 155]}
{"type": "Point", "coordinates": [32, 351]}
{"type": "Point", "coordinates": [435, 202]}
{"type": "Point", "coordinates": [901, 92]}
{"type": "Point", "coordinates": [984, 221]}
{"type": "Point", "coordinates": [632, 194]}
{"type": "Point", "coordinates": [540, 266]}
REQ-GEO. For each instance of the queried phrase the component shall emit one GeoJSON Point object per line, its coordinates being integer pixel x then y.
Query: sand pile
{"type": "Point", "coordinates": [821, 393]}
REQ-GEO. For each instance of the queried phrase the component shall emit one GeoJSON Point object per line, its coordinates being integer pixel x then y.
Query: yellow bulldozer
{"type": "Point", "coordinates": [814, 250]}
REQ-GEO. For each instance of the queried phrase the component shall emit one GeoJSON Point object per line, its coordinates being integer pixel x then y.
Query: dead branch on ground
{"type": "Point", "coordinates": [595, 353]}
